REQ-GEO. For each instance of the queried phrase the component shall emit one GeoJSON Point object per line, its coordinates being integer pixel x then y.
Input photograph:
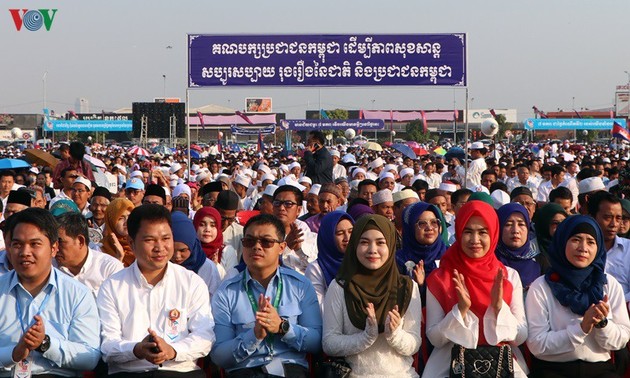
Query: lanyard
{"type": "Point", "coordinates": [19, 308]}
{"type": "Point", "coordinates": [254, 304]}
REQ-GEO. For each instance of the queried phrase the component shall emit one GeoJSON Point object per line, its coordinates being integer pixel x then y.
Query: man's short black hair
{"type": "Point", "coordinates": [263, 219]}
{"type": "Point", "coordinates": [365, 183]}
{"type": "Point", "coordinates": [556, 169]}
{"type": "Point", "coordinates": [63, 172]}
{"type": "Point", "coordinates": [420, 184]}
{"type": "Point", "coordinates": [432, 193]}
{"type": "Point", "coordinates": [77, 150]}
{"type": "Point", "coordinates": [299, 196]}
{"type": "Point", "coordinates": [39, 218]}
{"type": "Point", "coordinates": [560, 192]}
{"type": "Point", "coordinates": [500, 186]}
{"type": "Point", "coordinates": [64, 147]}
{"type": "Point", "coordinates": [151, 213]}
{"type": "Point", "coordinates": [319, 136]}
{"type": "Point", "coordinates": [597, 198]}
{"type": "Point", "coordinates": [74, 224]}
{"type": "Point", "coordinates": [7, 172]}
{"type": "Point", "coordinates": [458, 194]}
{"type": "Point", "coordinates": [489, 172]}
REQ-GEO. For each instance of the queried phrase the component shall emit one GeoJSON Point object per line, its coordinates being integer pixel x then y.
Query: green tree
{"type": "Point", "coordinates": [415, 131]}
{"type": "Point", "coordinates": [503, 125]}
{"type": "Point", "coordinates": [336, 114]}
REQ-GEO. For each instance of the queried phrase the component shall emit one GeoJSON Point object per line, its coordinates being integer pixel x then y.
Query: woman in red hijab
{"type": "Point", "coordinates": [472, 298]}
{"type": "Point", "coordinates": [207, 223]}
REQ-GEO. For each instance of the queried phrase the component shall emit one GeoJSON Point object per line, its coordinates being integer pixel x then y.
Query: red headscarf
{"type": "Point", "coordinates": [478, 273]}
{"type": "Point", "coordinates": [214, 249]}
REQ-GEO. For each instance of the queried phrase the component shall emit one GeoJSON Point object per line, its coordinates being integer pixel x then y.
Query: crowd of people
{"type": "Point", "coordinates": [330, 260]}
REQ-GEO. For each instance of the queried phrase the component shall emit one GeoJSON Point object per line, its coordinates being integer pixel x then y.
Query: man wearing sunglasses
{"type": "Point", "coordinates": [301, 243]}
{"type": "Point", "coordinates": [267, 317]}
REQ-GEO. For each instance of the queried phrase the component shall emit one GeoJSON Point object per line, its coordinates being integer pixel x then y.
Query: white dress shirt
{"type": "Point", "coordinates": [316, 276]}
{"type": "Point", "coordinates": [369, 353]}
{"type": "Point", "coordinates": [555, 333]}
{"type": "Point", "coordinates": [211, 275]}
{"type": "Point", "coordinates": [299, 259]}
{"type": "Point", "coordinates": [445, 329]}
{"type": "Point", "coordinates": [128, 305]}
{"type": "Point", "coordinates": [232, 236]}
{"type": "Point", "coordinates": [618, 264]}
{"type": "Point", "coordinates": [97, 268]}
{"type": "Point", "coordinates": [339, 171]}
{"type": "Point", "coordinates": [543, 191]}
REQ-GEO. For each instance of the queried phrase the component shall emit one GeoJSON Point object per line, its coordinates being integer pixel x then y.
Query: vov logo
{"type": "Point", "coordinates": [33, 19]}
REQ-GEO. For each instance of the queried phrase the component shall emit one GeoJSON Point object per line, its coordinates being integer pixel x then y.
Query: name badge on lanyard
{"type": "Point", "coordinates": [172, 324]}
{"type": "Point", "coordinates": [23, 368]}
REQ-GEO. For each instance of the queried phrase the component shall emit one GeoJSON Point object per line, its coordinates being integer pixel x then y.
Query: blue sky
{"type": "Point", "coordinates": [114, 52]}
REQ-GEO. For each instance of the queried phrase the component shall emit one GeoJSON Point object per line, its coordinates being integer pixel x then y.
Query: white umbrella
{"type": "Point", "coordinates": [139, 151]}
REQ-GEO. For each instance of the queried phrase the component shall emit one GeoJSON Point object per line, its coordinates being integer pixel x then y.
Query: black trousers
{"type": "Point", "coordinates": [290, 370]}
{"type": "Point", "coordinates": [161, 374]}
{"type": "Point", "coordinates": [572, 369]}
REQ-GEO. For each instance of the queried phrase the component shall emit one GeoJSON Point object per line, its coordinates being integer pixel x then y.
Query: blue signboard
{"type": "Point", "coordinates": [572, 123]}
{"type": "Point", "coordinates": [327, 60]}
{"type": "Point", "coordinates": [96, 125]}
{"type": "Point", "coordinates": [332, 124]}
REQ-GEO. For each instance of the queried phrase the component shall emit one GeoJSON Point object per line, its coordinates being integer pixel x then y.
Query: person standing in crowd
{"type": "Point", "coordinates": [473, 300]}
{"type": "Point", "coordinates": [328, 200]}
{"type": "Point", "coordinates": [319, 162]}
{"type": "Point", "coordinates": [154, 194]}
{"type": "Point", "coordinates": [227, 204]}
{"type": "Point", "coordinates": [514, 247]}
{"type": "Point", "coordinates": [116, 237]}
{"type": "Point", "coordinates": [576, 312]}
{"type": "Point", "coordinates": [267, 317]}
{"type": "Point", "coordinates": [330, 251]}
{"type": "Point", "coordinates": [81, 192]}
{"type": "Point", "coordinates": [66, 178]}
{"type": "Point", "coordinates": [101, 197]}
{"type": "Point", "coordinates": [301, 243]}
{"type": "Point", "coordinates": [134, 191]}
{"type": "Point", "coordinates": [546, 221]}
{"type": "Point", "coordinates": [168, 325]}
{"type": "Point", "coordinates": [207, 223]}
{"type": "Point", "coordinates": [77, 259]}
{"type": "Point", "coordinates": [339, 171]}
{"type": "Point", "coordinates": [189, 253]}
{"type": "Point", "coordinates": [74, 160]}
{"type": "Point", "coordinates": [606, 209]}
{"type": "Point", "coordinates": [50, 322]}
{"type": "Point", "coordinates": [423, 242]}
{"type": "Point", "coordinates": [372, 313]}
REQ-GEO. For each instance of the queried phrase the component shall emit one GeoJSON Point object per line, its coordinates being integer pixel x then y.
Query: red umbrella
{"type": "Point", "coordinates": [195, 147]}
{"type": "Point", "coordinates": [387, 144]}
{"type": "Point", "coordinates": [420, 151]}
{"type": "Point", "coordinates": [577, 147]}
{"type": "Point", "coordinates": [413, 144]}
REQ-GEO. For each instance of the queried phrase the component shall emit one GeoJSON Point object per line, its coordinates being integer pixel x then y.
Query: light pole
{"type": "Point", "coordinates": [164, 77]}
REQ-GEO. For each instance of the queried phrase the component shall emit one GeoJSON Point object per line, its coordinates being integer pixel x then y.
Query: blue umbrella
{"type": "Point", "coordinates": [13, 164]}
{"type": "Point", "coordinates": [405, 150]}
{"type": "Point", "coordinates": [162, 150]}
{"type": "Point", "coordinates": [193, 154]}
{"type": "Point", "coordinates": [455, 152]}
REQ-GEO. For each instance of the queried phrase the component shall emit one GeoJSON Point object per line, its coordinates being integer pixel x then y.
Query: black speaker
{"type": "Point", "coordinates": [158, 117]}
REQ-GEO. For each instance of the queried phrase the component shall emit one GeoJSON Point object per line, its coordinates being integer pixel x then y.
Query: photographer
{"type": "Point", "coordinates": [319, 163]}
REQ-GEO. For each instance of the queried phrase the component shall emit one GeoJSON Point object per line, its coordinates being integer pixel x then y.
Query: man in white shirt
{"type": "Point", "coordinates": [76, 259]}
{"type": "Point", "coordinates": [81, 192]}
{"type": "Point", "coordinates": [227, 205]}
{"type": "Point", "coordinates": [473, 176]}
{"type": "Point", "coordinates": [605, 207]}
{"type": "Point", "coordinates": [301, 248]}
{"type": "Point", "coordinates": [67, 177]}
{"type": "Point", "coordinates": [338, 169]}
{"type": "Point", "coordinates": [557, 177]}
{"type": "Point", "coordinates": [523, 179]}
{"type": "Point", "coordinates": [155, 315]}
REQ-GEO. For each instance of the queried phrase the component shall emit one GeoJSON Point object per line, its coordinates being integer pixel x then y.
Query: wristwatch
{"type": "Point", "coordinates": [602, 324]}
{"type": "Point", "coordinates": [284, 326]}
{"type": "Point", "coordinates": [45, 345]}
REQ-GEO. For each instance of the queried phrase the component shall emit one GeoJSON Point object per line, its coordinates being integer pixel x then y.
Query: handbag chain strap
{"type": "Point", "coordinates": [499, 366]}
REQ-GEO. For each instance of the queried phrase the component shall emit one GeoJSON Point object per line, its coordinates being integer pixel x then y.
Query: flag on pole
{"type": "Point", "coordinates": [424, 121]}
{"type": "Point", "coordinates": [620, 132]}
{"type": "Point", "coordinates": [612, 114]}
{"type": "Point", "coordinates": [203, 125]}
{"type": "Point", "coordinates": [361, 116]}
{"type": "Point", "coordinates": [246, 118]}
{"type": "Point", "coordinates": [219, 144]}
{"type": "Point", "coordinates": [72, 114]}
{"type": "Point", "coordinates": [323, 114]}
{"type": "Point", "coordinates": [494, 114]}
{"type": "Point", "coordinates": [577, 113]}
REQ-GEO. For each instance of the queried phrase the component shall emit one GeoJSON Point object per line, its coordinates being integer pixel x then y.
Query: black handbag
{"type": "Point", "coordinates": [334, 368]}
{"type": "Point", "coordinates": [482, 362]}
